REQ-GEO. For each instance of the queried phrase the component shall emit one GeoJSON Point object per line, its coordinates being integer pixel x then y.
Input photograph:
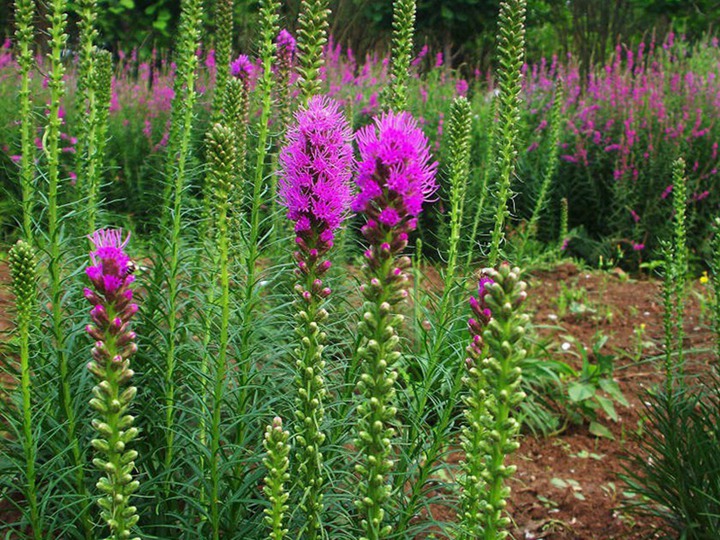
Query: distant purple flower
{"type": "Point", "coordinates": [668, 190]}
{"type": "Point", "coordinates": [317, 165]}
{"type": "Point", "coordinates": [638, 247]}
{"type": "Point", "coordinates": [242, 68]}
{"type": "Point", "coordinates": [286, 44]}
{"type": "Point", "coordinates": [461, 87]}
{"type": "Point", "coordinates": [635, 216]}
{"type": "Point", "coordinates": [395, 171]}
{"type": "Point", "coordinates": [422, 54]}
{"type": "Point", "coordinates": [210, 60]}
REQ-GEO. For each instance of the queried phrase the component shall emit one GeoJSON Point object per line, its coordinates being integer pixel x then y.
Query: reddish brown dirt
{"type": "Point", "coordinates": [619, 305]}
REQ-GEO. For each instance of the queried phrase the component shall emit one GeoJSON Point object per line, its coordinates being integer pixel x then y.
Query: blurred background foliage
{"type": "Point", "coordinates": [463, 29]}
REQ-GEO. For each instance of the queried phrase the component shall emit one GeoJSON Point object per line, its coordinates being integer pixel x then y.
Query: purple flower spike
{"type": "Point", "coordinates": [317, 164]}
{"type": "Point", "coordinates": [395, 174]}
{"type": "Point", "coordinates": [242, 68]}
{"type": "Point", "coordinates": [109, 270]}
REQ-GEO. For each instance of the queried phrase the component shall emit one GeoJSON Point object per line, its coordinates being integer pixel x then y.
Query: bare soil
{"type": "Point", "coordinates": [616, 306]}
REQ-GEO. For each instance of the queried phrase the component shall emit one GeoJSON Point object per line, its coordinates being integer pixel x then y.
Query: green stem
{"type": "Point", "coordinates": [311, 393]}
{"type": "Point", "coordinates": [376, 411]}
{"type": "Point", "coordinates": [24, 13]}
{"type": "Point", "coordinates": [265, 85]}
{"type": "Point", "coordinates": [220, 370]}
{"type": "Point", "coordinates": [51, 143]}
{"type": "Point", "coordinates": [178, 150]}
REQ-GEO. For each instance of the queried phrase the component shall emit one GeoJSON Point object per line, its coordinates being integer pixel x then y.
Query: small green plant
{"type": "Point", "coordinates": [593, 389]}
{"type": "Point", "coordinates": [572, 299]}
{"type": "Point", "coordinates": [642, 343]}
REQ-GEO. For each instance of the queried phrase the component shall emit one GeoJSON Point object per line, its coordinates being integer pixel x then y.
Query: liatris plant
{"type": "Point", "coordinates": [236, 115]}
{"type": "Point", "coordinates": [87, 105]}
{"type": "Point", "coordinates": [317, 164]}
{"type": "Point", "coordinates": [402, 44]}
{"type": "Point", "coordinates": [493, 380]}
{"type": "Point", "coordinates": [459, 169]}
{"type": "Point", "coordinates": [680, 256]}
{"type": "Point", "coordinates": [312, 37]}
{"type": "Point", "coordinates": [395, 178]}
{"type": "Point", "coordinates": [22, 269]}
{"type": "Point", "coordinates": [475, 433]}
{"type": "Point", "coordinates": [113, 307]}
{"type": "Point", "coordinates": [57, 17]}
{"type": "Point", "coordinates": [277, 463]}
{"type": "Point", "coordinates": [102, 83]}
{"type": "Point", "coordinates": [221, 154]}
{"type": "Point", "coordinates": [511, 47]}
{"type": "Point", "coordinates": [24, 31]}
{"type": "Point", "coordinates": [675, 271]}
{"type": "Point", "coordinates": [269, 15]}
{"type": "Point", "coordinates": [224, 19]}
{"type": "Point", "coordinates": [176, 160]}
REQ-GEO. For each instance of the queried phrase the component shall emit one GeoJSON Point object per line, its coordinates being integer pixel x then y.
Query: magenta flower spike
{"type": "Point", "coordinates": [396, 177]}
{"type": "Point", "coordinates": [317, 165]}
{"type": "Point", "coordinates": [111, 296]}
{"type": "Point", "coordinates": [242, 68]}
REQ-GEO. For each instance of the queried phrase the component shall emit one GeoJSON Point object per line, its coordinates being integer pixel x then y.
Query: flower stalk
{"type": "Point", "coordinates": [312, 37]}
{"type": "Point", "coordinates": [178, 151]}
{"type": "Point", "coordinates": [113, 308]}
{"type": "Point", "coordinates": [511, 47]}
{"type": "Point", "coordinates": [224, 21]}
{"type": "Point", "coordinates": [402, 47]}
{"type": "Point", "coordinates": [221, 154]}
{"type": "Point", "coordinates": [57, 17]}
{"type": "Point", "coordinates": [97, 133]}
{"type": "Point", "coordinates": [23, 271]}
{"type": "Point", "coordinates": [395, 179]}
{"type": "Point", "coordinates": [24, 35]}
{"type": "Point", "coordinates": [316, 169]}
{"type": "Point", "coordinates": [493, 382]}
{"type": "Point", "coordinates": [277, 463]}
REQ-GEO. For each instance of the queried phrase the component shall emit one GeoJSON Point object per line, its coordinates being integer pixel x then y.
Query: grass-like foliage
{"type": "Point", "coordinates": [675, 473]}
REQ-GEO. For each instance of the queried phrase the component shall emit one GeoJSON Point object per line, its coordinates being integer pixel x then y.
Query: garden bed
{"type": "Point", "coordinates": [567, 485]}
